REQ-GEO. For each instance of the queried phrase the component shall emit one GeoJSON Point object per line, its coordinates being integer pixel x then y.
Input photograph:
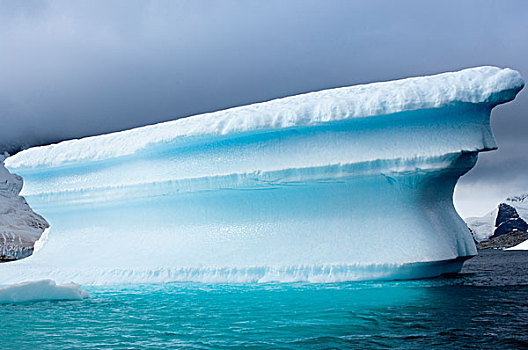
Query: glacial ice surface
{"type": "Point", "coordinates": [343, 184]}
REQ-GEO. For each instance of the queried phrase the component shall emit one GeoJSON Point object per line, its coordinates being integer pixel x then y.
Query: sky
{"type": "Point", "coordinates": [70, 69]}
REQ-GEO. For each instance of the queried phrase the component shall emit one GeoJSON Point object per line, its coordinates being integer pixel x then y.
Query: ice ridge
{"type": "Point", "coordinates": [481, 85]}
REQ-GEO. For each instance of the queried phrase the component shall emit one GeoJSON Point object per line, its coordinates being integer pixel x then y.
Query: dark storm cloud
{"type": "Point", "coordinates": [71, 69]}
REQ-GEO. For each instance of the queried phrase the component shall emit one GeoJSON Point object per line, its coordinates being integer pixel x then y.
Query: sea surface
{"type": "Point", "coordinates": [486, 306]}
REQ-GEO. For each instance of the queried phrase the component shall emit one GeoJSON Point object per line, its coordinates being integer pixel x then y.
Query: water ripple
{"type": "Point", "coordinates": [481, 308]}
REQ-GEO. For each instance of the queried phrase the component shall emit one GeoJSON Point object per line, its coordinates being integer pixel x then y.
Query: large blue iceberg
{"type": "Point", "coordinates": [344, 184]}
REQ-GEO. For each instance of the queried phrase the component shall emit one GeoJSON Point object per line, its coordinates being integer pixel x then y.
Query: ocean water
{"type": "Point", "coordinates": [486, 306]}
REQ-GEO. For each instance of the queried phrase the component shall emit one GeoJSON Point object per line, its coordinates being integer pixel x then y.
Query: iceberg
{"type": "Point", "coordinates": [41, 290]}
{"type": "Point", "coordinates": [344, 184]}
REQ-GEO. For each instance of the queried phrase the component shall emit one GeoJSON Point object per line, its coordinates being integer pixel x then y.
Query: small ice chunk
{"type": "Point", "coordinates": [41, 290]}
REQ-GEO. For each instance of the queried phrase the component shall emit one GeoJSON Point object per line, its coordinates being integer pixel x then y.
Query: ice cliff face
{"type": "Point", "coordinates": [20, 227]}
{"type": "Point", "coordinates": [343, 184]}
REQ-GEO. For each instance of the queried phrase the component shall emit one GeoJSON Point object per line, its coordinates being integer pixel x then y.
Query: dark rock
{"type": "Point", "coordinates": [5, 258]}
{"type": "Point", "coordinates": [506, 212]}
{"type": "Point", "coordinates": [508, 220]}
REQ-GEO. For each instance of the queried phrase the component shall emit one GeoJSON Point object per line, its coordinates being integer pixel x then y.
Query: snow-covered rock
{"type": "Point", "coordinates": [20, 227]}
{"type": "Point", "coordinates": [509, 216]}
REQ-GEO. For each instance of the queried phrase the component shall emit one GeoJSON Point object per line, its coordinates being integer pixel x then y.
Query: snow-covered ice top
{"type": "Point", "coordinates": [41, 290]}
{"type": "Point", "coordinates": [490, 85]}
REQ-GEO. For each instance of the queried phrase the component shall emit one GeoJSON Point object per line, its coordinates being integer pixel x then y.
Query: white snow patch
{"type": "Point", "coordinates": [483, 227]}
{"type": "Point", "coordinates": [39, 244]}
{"type": "Point", "coordinates": [41, 290]}
{"type": "Point", "coordinates": [520, 246]}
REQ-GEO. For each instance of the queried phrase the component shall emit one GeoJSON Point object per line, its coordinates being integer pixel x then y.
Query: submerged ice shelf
{"type": "Point", "coordinates": [41, 290]}
{"type": "Point", "coordinates": [343, 184]}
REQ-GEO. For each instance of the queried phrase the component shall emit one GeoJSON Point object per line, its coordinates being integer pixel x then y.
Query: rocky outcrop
{"type": "Point", "coordinates": [507, 240]}
{"type": "Point", "coordinates": [508, 220]}
{"type": "Point", "coordinates": [504, 227]}
{"type": "Point", "coordinates": [20, 226]}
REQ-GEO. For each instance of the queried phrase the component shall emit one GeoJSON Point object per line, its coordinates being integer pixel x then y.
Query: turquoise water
{"type": "Point", "coordinates": [485, 307]}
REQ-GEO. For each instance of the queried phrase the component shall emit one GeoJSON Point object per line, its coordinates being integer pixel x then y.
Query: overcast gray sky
{"type": "Point", "coordinates": [75, 68]}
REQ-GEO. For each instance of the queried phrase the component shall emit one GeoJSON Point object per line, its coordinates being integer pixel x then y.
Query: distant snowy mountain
{"type": "Point", "coordinates": [20, 227]}
{"type": "Point", "coordinates": [507, 223]}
